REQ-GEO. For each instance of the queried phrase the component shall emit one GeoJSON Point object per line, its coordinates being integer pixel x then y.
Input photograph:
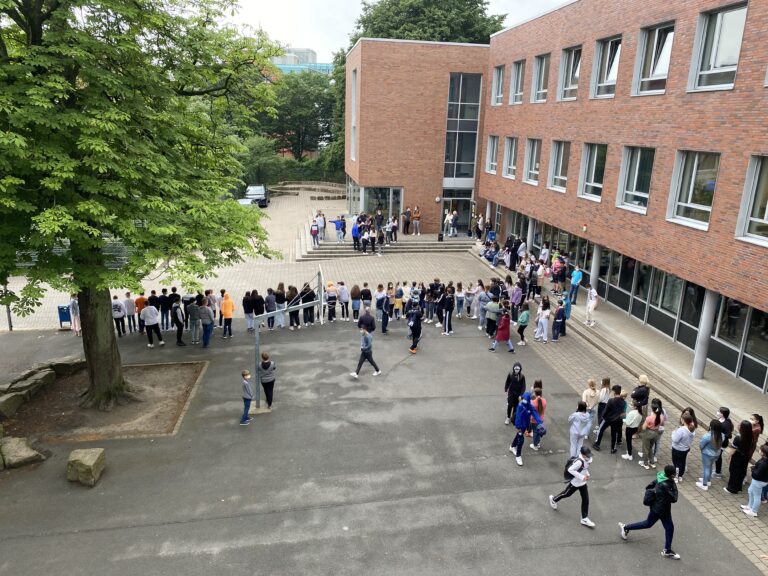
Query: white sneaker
{"type": "Point", "coordinates": [534, 447]}
{"type": "Point", "coordinates": [353, 374]}
{"type": "Point", "coordinates": [507, 421]}
{"type": "Point", "coordinates": [552, 502]}
{"type": "Point", "coordinates": [639, 454]}
{"type": "Point", "coordinates": [749, 513]}
{"type": "Point", "coordinates": [623, 531]}
{"type": "Point", "coordinates": [162, 343]}
{"type": "Point", "coordinates": [479, 327]}
{"type": "Point", "coordinates": [377, 372]}
{"type": "Point", "coordinates": [438, 325]}
{"type": "Point", "coordinates": [150, 345]}
{"type": "Point", "coordinates": [519, 460]}
{"type": "Point", "coordinates": [703, 486]}
{"type": "Point", "coordinates": [626, 457]}
{"type": "Point", "coordinates": [587, 522]}
{"type": "Point", "coordinates": [473, 317]}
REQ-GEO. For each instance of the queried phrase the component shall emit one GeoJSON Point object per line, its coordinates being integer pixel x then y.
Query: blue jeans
{"type": "Point", "coordinates": [573, 292]}
{"type": "Point", "coordinates": [536, 435]}
{"type": "Point", "coordinates": [706, 463]}
{"type": "Point", "coordinates": [756, 489]}
{"type": "Point", "coordinates": [518, 442]}
{"type": "Point", "coordinates": [430, 310]}
{"type": "Point", "coordinates": [460, 305]}
{"type": "Point", "coordinates": [165, 319]}
{"type": "Point", "coordinates": [246, 408]}
{"type": "Point", "coordinates": [666, 521]}
{"type": "Point", "coordinates": [509, 344]}
{"type": "Point", "coordinates": [591, 419]}
{"type": "Point", "coordinates": [207, 331]}
{"type": "Point", "coordinates": [556, 326]}
{"type": "Point", "coordinates": [339, 236]}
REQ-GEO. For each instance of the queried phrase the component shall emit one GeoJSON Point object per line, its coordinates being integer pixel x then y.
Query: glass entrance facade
{"type": "Point", "coordinates": [370, 199]}
{"type": "Point", "coordinates": [461, 201]}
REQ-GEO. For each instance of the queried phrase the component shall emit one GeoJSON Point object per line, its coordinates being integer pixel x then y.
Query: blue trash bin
{"type": "Point", "coordinates": [64, 316]}
{"type": "Point", "coordinates": [491, 236]}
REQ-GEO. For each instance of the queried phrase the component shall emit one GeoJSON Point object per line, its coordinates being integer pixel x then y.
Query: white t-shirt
{"type": "Point", "coordinates": [149, 315]}
{"type": "Point", "coordinates": [544, 255]}
{"type": "Point", "coordinates": [118, 309]}
{"type": "Point", "coordinates": [592, 297]}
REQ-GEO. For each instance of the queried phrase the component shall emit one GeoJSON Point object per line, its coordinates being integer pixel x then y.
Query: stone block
{"type": "Point", "coordinates": [86, 465]}
{"type": "Point", "coordinates": [67, 365]}
{"type": "Point", "coordinates": [16, 452]}
{"type": "Point", "coordinates": [31, 385]}
{"type": "Point", "coordinates": [5, 387]}
{"type": "Point", "coordinates": [11, 402]}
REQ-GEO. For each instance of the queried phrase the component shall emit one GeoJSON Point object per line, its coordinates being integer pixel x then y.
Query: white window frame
{"type": "Point", "coordinates": [509, 169]}
{"type": "Point", "coordinates": [530, 144]}
{"type": "Point", "coordinates": [353, 121]}
{"type": "Point", "coordinates": [698, 52]}
{"type": "Point", "coordinates": [585, 170]}
{"type": "Point", "coordinates": [600, 48]}
{"type": "Point", "coordinates": [516, 82]}
{"type": "Point", "coordinates": [674, 191]}
{"type": "Point", "coordinates": [626, 168]}
{"type": "Point", "coordinates": [747, 202]}
{"type": "Point", "coordinates": [555, 163]}
{"type": "Point", "coordinates": [497, 86]}
{"type": "Point", "coordinates": [648, 34]}
{"type": "Point", "coordinates": [491, 154]}
{"type": "Point", "coordinates": [538, 64]}
{"type": "Point", "coordinates": [566, 72]}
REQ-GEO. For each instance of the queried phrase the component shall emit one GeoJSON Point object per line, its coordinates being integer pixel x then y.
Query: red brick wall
{"type": "Point", "coordinates": [401, 124]}
{"type": "Point", "coordinates": [733, 123]}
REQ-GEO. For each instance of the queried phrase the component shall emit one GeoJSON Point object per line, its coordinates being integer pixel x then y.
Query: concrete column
{"type": "Point", "coordinates": [705, 331]}
{"type": "Point", "coordinates": [594, 272]}
{"type": "Point", "coordinates": [531, 232]}
{"type": "Point", "coordinates": [488, 212]}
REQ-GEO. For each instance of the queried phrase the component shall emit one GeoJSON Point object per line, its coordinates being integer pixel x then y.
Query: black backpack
{"type": "Point", "coordinates": [566, 474]}
{"type": "Point", "coordinates": [649, 498]}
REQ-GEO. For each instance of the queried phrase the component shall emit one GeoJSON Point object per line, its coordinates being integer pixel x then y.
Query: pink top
{"type": "Point", "coordinates": [650, 422]}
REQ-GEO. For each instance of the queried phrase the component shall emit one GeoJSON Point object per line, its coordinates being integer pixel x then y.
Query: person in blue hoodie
{"type": "Point", "coordinates": [525, 411]}
{"type": "Point", "coordinates": [567, 311]}
{"type": "Point", "coordinates": [355, 235]}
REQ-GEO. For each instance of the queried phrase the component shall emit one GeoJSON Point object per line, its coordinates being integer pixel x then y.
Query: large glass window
{"type": "Point", "coordinates": [615, 268]}
{"type": "Point", "coordinates": [516, 86]}
{"type": "Point", "coordinates": [692, 303]}
{"type": "Point", "coordinates": [658, 283]}
{"type": "Point", "coordinates": [510, 157]}
{"type": "Point", "coordinates": [462, 126]}
{"type": "Point", "coordinates": [696, 188]}
{"type": "Point", "coordinates": [540, 78]}
{"type": "Point", "coordinates": [757, 337]}
{"type": "Point", "coordinates": [643, 281]}
{"type": "Point", "coordinates": [757, 208]}
{"type": "Point", "coordinates": [491, 161]}
{"type": "Point", "coordinates": [561, 153]}
{"type": "Point", "coordinates": [627, 273]}
{"type": "Point", "coordinates": [656, 56]}
{"type": "Point", "coordinates": [732, 321]}
{"type": "Point", "coordinates": [720, 47]}
{"type": "Point", "coordinates": [570, 68]}
{"type": "Point", "coordinates": [497, 89]}
{"type": "Point", "coordinates": [637, 179]}
{"type": "Point", "coordinates": [609, 55]}
{"type": "Point", "coordinates": [533, 156]}
{"type": "Point", "coordinates": [670, 299]}
{"type": "Point", "coordinates": [594, 170]}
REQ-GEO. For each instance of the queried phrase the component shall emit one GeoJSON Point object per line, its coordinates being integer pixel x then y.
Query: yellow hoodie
{"type": "Point", "coordinates": [227, 307]}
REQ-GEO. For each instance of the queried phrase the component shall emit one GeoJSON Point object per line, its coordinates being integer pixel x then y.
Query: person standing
{"type": "Point", "coordinates": [540, 405]}
{"type": "Point", "coordinates": [74, 314]}
{"type": "Point", "coordinates": [259, 306]}
{"type": "Point", "coordinates": [740, 449]}
{"type": "Point", "coordinates": [207, 321]}
{"type": "Point", "coordinates": [577, 474]}
{"type": "Point", "coordinates": [591, 305]}
{"type": "Point", "coordinates": [227, 312]}
{"type": "Point", "coordinates": [659, 496]}
{"type": "Point", "coordinates": [140, 302]}
{"type": "Point", "coordinates": [293, 299]}
{"type": "Point", "coordinates": [177, 318]}
{"type": "Point", "coordinates": [449, 304]}
{"type": "Point", "coordinates": [503, 332]}
{"type": "Point", "coordinates": [118, 315]}
{"type": "Point", "coordinates": [193, 319]}
{"type": "Point", "coordinates": [355, 236]}
{"type": "Point", "coordinates": [331, 298]}
{"type": "Point", "coordinates": [682, 438]}
{"type": "Point", "coordinates": [632, 422]}
{"type": "Point", "coordinates": [724, 416]}
{"type": "Point", "coordinates": [576, 277]}
{"type": "Point", "coordinates": [150, 316]}
{"type": "Point", "coordinates": [579, 424]}
{"type": "Point", "coordinates": [652, 430]}
{"type": "Point", "coordinates": [248, 311]}
{"type": "Point", "coordinates": [344, 301]}
{"type": "Point", "coordinates": [130, 312]}
{"type": "Point", "coordinates": [491, 316]}
{"type": "Point", "coordinates": [355, 296]}
{"type": "Point", "coordinates": [522, 322]}
{"type": "Point", "coordinates": [523, 415]}
{"type": "Point", "coordinates": [641, 393]}
{"type": "Point", "coordinates": [591, 398]}
{"type": "Point", "coordinates": [314, 231]}
{"type": "Point", "coordinates": [413, 316]}
{"type": "Point", "coordinates": [165, 310]}
{"type": "Point", "coordinates": [320, 220]}
{"type": "Point", "coordinates": [416, 221]}
{"type": "Point", "coordinates": [366, 353]}
{"type": "Point", "coordinates": [367, 321]}
{"type": "Point", "coordinates": [280, 303]}
{"type": "Point", "coordinates": [711, 446]}
{"type": "Point", "coordinates": [514, 387]}
{"type": "Point", "coordinates": [758, 484]}
{"type": "Point", "coordinates": [542, 322]}
{"type": "Point", "coordinates": [407, 221]}
{"type": "Point", "coordinates": [267, 369]}
{"type": "Point", "coordinates": [247, 398]}
{"type": "Point", "coordinates": [270, 305]}
{"type": "Point", "coordinates": [612, 418]}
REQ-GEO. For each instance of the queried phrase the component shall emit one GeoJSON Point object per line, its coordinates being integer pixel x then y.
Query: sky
{"type": "Point", "coordinates": [325, 25]}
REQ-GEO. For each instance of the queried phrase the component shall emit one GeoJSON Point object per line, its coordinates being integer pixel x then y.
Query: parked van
{"type": "Point", "coordinates": [259, 194]}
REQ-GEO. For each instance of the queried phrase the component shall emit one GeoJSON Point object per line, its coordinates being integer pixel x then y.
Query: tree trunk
{"type": "Point", "coordinates": [105, 369]}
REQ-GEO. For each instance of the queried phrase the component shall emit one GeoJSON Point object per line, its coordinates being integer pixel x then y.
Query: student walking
{"type": "Point", "coordinates": [514, 387]}
{"type": "Point", "coordinates": [413, 315]}
{"type": "Point", "coordinates": [758, 484]}
{"type": "Point", "coordinates": [151, 317]}
{"type": "Point", "coordinates": [522, 322]}
{"type": "Point", "coordinates": [682, 438]}
{"type": "Point", "coordinates": [523, 415]}
{"type": "Point", "coordinates": [118, 315]}
{"type": "Point", "coordinates": [612, 418]}
{"type": "Point", "coordinates": [659, 497]}
{"type": "Point", "coordinates": [577, 475]}
{"type": "Point", "coordinates": [579, 423]}
{"type": "Point", "coordinates": [247, 398]}
{"type": "Point", "coordinates": [503, 333]}
{"type": "Point", "coordinates": [366, 353]}
{"type": "Point", "coordinates": [711, 446]}
{"type": "Point", "coordinates": [267, 369]}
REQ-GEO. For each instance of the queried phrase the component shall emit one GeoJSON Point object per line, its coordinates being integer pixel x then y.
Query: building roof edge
{"type": "Point", "coordinates": [555, 9]}
{"type": "Point", "coordinates": [418, 42]}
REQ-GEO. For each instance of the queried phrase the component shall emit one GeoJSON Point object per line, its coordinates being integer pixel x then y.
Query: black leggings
{"type": "Point", "coordinates": [628, 434]}
{"type": "Point", "coordinates": [331, 311]}
{"type": "Point", "coordinates": [679, 458]}
{"type": "Point", "coordinates": [615, 427]}
{"type": "Point", "coordinates": [269, 388]}
{"type": "Point", "coordinates": [309, 315]}
{"type": "Point", "coordinates": [366, 355]}
{"type": "Point", "coordinates": [512, 406]}
{"type": "Point", "coordinates": [294, 317]}
{"type": "Point", "coordinates": [521, 330]}
{"type": "Point", "coordinates": [345, 309]}
{"type": "Point", "coordinates": [490, 327]}
{"type": "Point", "coordinates": [570, 490]}
{"type": "Point", "coordinates": [415, 337]}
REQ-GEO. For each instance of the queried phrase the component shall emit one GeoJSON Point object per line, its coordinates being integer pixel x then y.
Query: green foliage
{"type": "Point", "coordinates": [116, 125]}
{"type": "Point", "coordinates": [262, 165]}
{"type": "Point", "coordinates": [302, 119]}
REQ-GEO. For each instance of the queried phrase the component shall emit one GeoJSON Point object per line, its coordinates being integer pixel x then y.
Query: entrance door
{"type": "Point", "coordinates": [460, 201]}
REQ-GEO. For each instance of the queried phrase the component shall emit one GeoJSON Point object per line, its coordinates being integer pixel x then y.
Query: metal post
{"type": "Point", "coordinates": [705, 331]}
{"type": "Point", "coordinates": [8, 308]}
{"type": "Point", "coordinates": [594, 272]}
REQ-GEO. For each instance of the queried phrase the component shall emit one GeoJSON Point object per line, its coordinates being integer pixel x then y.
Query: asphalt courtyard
{"type": "Point", "coordinates": [408, 472]}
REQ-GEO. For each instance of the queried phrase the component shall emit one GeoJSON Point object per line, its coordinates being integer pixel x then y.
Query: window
{"type": "Point", "coordinates": [497, 89]}
{"type": "Point", "coordinates": [754, 219]}
{"type": "Point", "coordinates": [594, 170]}
{"type": "Point", "coordinates": [561, 153]}
{"type": "Point", "coordinates": [462, 125]}
{"type": "Point", "coordinates": [608, 56]}
{"type": "Point", "coordinates": [719, 47]}
{"type": "Point", "coordinates": [636, 177]}
{"type": "Point", "coordinates": [656, 53]}
{"type": "Point", "coordinates": [353, 131]}
{"type": "Point", "coordinates": [510, 157]}
{"type": "Point", "coordinates": [532, 157]}
{"type": "Point", "coordinates": [569, 79]}
{"type": "Point", "coordinates": [490, 160]}
{"type": "Point", "coordinates": [696, 181]}
{"type": "Point", "coordinates": [516, 86]}
{"type": "Point", "coordinates": [540, 79]}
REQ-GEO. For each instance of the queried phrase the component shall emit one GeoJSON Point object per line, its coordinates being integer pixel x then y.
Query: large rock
{"type": "Point", "coordinates": [86, 465]}
{"type": "Point", "coordinates": [67, 365]}
{"type": "Point", "coordinates": [10, 402]}
{"type": "Point", "coordinates": [34, 383]}
{"type": "Point", "coordinates": [16, 452]}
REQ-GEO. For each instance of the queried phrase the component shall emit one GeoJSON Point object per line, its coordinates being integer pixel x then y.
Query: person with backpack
{"type": "Point", "coordinates": [523, 415]}
{"type": "Point", "coordinates": [576, 473]}
{"type": "Point", "coordinates": [514, 387]}
{"type": "Point", "coordinates": [659, 497]}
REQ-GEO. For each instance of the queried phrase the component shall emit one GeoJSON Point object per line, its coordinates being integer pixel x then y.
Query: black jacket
{"type": "Point", "coordinates": [614, 409]}
{"type": "Point", "coordinates": [760, 470]}
{"type": "Point", "coordinates": [515, 385]}
{"type": "Point", "coordinates": [258, 304]}
{"type": "Point", "coordinates": [247, 305]}
{"type": "Point", "coordinates": [368, 321]}
{"type": "Point", "coordinates": [666, 495]}
{"type": "Point", "coordinates": [640, 395]}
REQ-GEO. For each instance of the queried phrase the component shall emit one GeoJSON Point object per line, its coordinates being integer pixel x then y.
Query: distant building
{"type": "Point", "coordinates": [300, 59]}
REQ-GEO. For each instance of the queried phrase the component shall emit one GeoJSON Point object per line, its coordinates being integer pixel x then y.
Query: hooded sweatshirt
{"type": "Point", "coordinates": [525, 411]}
{"type": "Point", "coordinates": [227, 307]}
{"type": "Point", "coordinates": [515, 384]}
{"type": "Point", "coordinates": [579, 422]}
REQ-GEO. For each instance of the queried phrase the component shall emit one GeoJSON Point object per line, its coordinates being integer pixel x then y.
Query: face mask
{"type": "Point", "coordinates": [719, 416]}
{"type": "Point", "coordinates": [517, 369]}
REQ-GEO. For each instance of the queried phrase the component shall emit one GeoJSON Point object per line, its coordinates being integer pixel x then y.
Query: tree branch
{"type": "Point", "coordinates": [3, 48]}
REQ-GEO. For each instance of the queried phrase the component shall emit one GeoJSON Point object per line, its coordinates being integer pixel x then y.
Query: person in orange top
{"type": "Point", "coordinates": [227, 311]}
{"type": "Point", "coordinates": [140, 302]}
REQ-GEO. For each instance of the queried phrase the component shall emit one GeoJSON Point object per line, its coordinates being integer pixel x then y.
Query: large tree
{"type": "Point", "coordinates": [113, 134]}
{"type": "Point", "coordinates": [302, 116]}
